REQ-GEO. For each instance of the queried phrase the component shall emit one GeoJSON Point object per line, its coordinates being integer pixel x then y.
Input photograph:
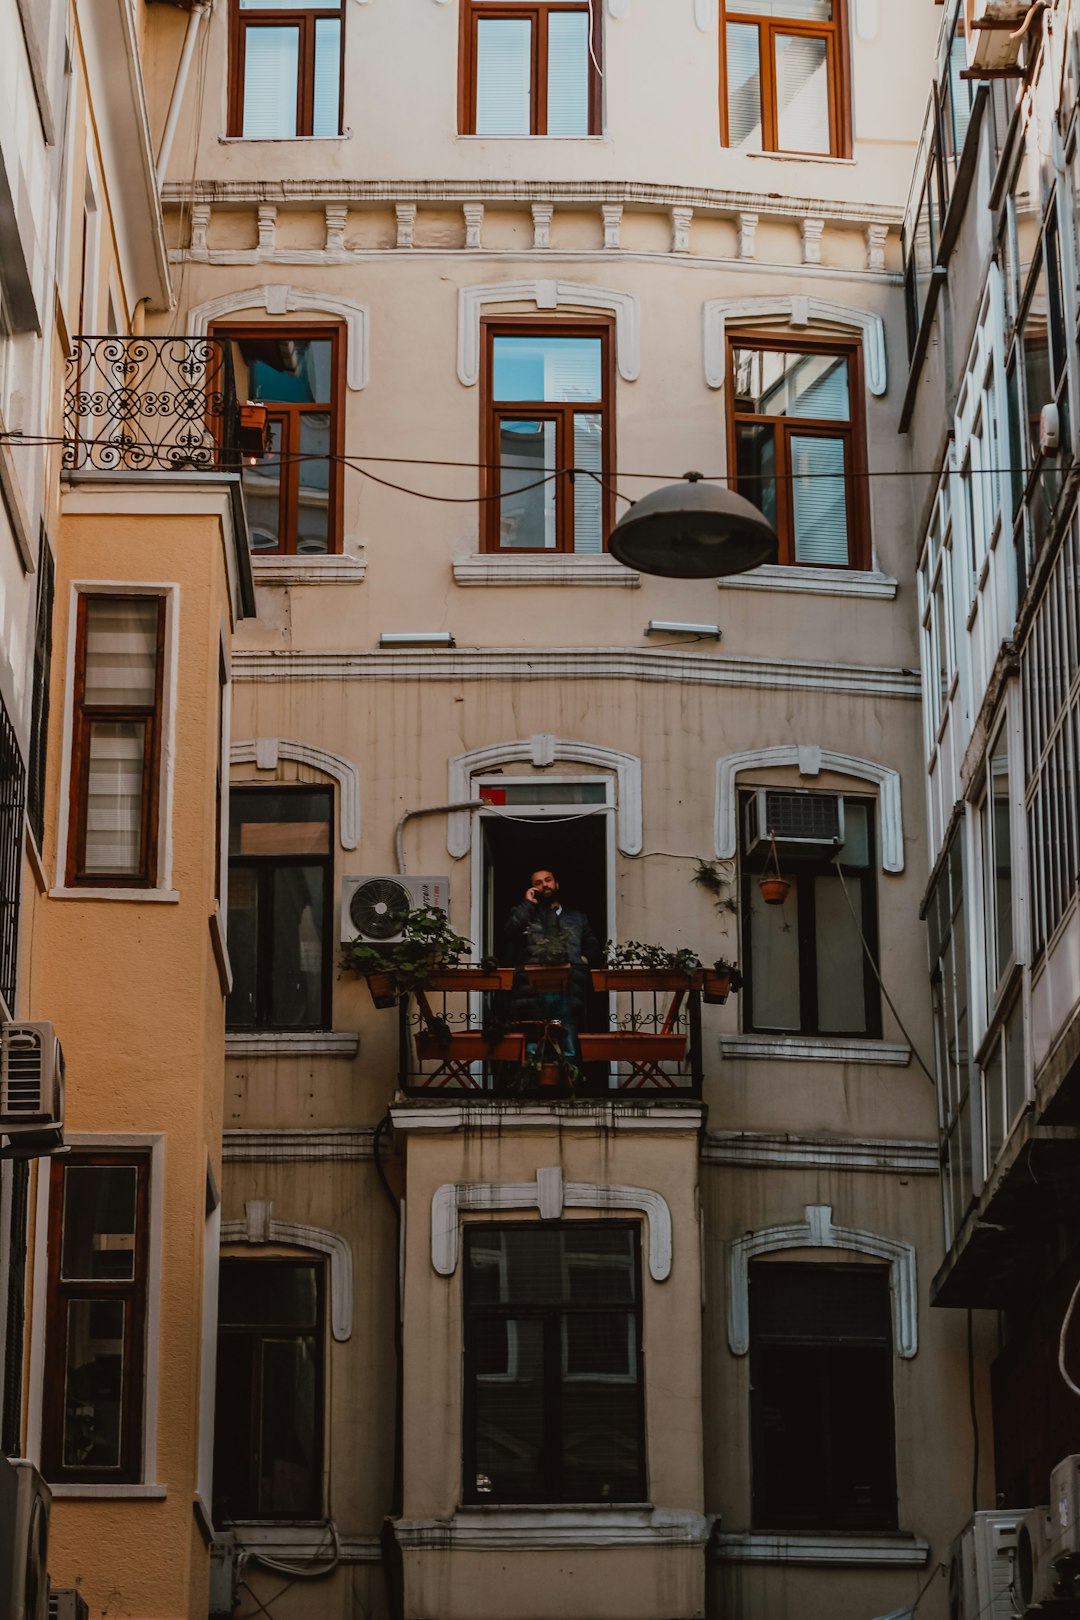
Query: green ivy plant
{"type": "Point", "coordinates": [428, 946]}
{"type": "Point", "coordinates": [634, 954]}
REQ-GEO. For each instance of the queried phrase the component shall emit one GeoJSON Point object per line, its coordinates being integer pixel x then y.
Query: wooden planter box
{"type": "Point", "coordinates": [716, 988]}
{"type": "Point", "coordinates": [632, 1048]}
{"type": "Point", "coordinates": [470, 1048]}
{"type": "Point", "coordinates": [472, 978]}
{"type": "Point", "coordinates": [543, 977]}
{"type": "Point", "coordinates": [382, 989]}
{"type": "Point", "coordinates": [637, 978]}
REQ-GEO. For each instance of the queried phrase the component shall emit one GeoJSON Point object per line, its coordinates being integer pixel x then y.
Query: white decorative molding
{"type": "Point", "coordinates": [405, 217]}
{"type": "Point", "coordinates": [617, 8]}
{"type": "Point", "coordinates": [584, 664]}
{"type": "Point", "coordinates": [542, 1528]}
{"type": "Point", "coordinates": [309, 1146]}
{"type": "Point", "coordinates": [706, 13]}
{"type": "Point", "coordinates": [543, 749]}
{"type": "Point", "coordinates": [747, 225]}
{"type": "Point", "coordinates": [304, 1541]}
{"type": "Point", "coordinates": [200, 224]}
{"type": "Point", "coordinates": [611, 214]}
{"type": "Point", "coordinates": [812, 231]}
{"type": "Point", "coordinates": [291, 1043]}
{"type": "Point", "coordinates": [542, 215]}
{"type": "Point", "coordinates": [866, 18]}
{"type": "Point", "coordinates": [876, 238]}
{"type": "Point", "coordinates": [474, 224]}
{"type": "Point", "coordinates": [817, 1231]}
{"type": "Point", "coordinates": [279, 299]}
{"type": "Point", "coordinates": [562, 568]}
{"type": "Point", "coordinates": [813, 581]}
{"type": "Point", "coordinates": [681, 220]}
{"type": "Point", "coordinates": [550, 1194]}
{"type": "Point", "coordinates": [770, 1149]}
{"type": "Point", "coordinates": [810, 761]}
{"type": "Point", "coordinates": [814, 1049]}
{"type": "Point", "coordinates": [845, 1552]}
{"type": "Point", "coordinates": [554, 294]}
{"type": "Point", "coordinates": [489, 1114]}
{"type": "Point", "coordinates": [264, 752]}
{"type": "Point", "coordinates": [260, 1226]}
{"type": "Point", "coordinates": [336, 214]}
{"type": "Point", "coordinates": [267, 227]}
{"type": "Point", "coordinates": [799, 311]}
{"type": "Point", "coordinates": [333, 568]}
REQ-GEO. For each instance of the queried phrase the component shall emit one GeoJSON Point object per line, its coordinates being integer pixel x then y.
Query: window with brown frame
{"type": "Point", "coordinates": [95, 1352]}
{"type": "Point", "coordinates": [547, 432]}
{"type": "Point", "coordinates": [530, 67]}
{"type": "Point", "coordinates": [797, 445]}
{"type": "Point", "coordinates": [116, 748]}
{"type": "Point", "coordinates": [285, 75]}
{"type": "Point", "coordinates": [785, 76]}
{"type": "Point", "coordinates": [293, 494]}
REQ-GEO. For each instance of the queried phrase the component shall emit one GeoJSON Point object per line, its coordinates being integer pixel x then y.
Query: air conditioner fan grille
{"type": "Point", "coordinates": [814, 817]}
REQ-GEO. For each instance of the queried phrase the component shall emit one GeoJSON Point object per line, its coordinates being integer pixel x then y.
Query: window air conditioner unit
{"type": "Point", "coordinates": [24, 1541]}
{"type": "Point", "coordinates": [799, 821]}
{"type": "Point", "coordinates": [1033, 1579]}
{"type": "Point", "coordinates": [67, 1604]}
{"type": "Point", "coordinates": [31, 1089]}
{"type": "Point", "coordinates": [991, 27]}
{"type": "Point", "coordinates": [981, 1567]}
{"type": "Point", "coordinates": [1065, 1508]}
{"type": "Point", "coordinates": [375, 908]}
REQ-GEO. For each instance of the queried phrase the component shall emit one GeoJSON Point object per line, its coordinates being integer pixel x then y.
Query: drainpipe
{"type": "Point", "coordinates": [164, 151]}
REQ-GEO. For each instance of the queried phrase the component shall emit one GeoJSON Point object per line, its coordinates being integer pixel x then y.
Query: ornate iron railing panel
{"type": "Point", "coordinates": [157, 404]}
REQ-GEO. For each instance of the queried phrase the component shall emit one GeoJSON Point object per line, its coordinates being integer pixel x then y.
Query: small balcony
{"type": "Point", "coordinates": [641, 1038]}
{"type": "Point", "coordinates": [150, 404]}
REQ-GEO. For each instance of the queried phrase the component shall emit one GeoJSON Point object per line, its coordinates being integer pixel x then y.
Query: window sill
{"type": "Point", "coordinates": [281, 140]}
{"type": "Point", "coordinates": [291, 1043]}
{"type": "Point", "coordinates": [592, 139]}
{"type": "Point", "coordinates": [572, 1526]}
{"type": "Point", "coordinates": [799, 157]}
{"type": "Point", "coordinates": [331, 569]}
{"type": "Point", "coordinates": [110, 1493]}
{"type": "Point", "coordinates": [306, 1539]}
{"type": "Point", "coordinates": [852, 1551]}
{"type": "Point", "coordinates": [814, 581]}
{"type": "Point", "coordinates": [163, 897]}
{"type": "Point", "coordinates": [491, 568]}
{"type": "Point", "coordinates": [815, 1049]}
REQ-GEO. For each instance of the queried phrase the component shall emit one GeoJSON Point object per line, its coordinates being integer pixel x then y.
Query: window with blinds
{"type": "Point", "coordinates": [530, 67]}
{"type": "Point", "coordinates": [553, 1363]}
{"type": "Point", "coordinates": [549, 456]}
{"type": "Point", "coordinates": [785, 76]}
{"type": "Point", "coordinates": [797, 446]}
{"type": "Point", "coordinates": [115, 769]}
{"type": "Point", "coordinates": [286, 68]}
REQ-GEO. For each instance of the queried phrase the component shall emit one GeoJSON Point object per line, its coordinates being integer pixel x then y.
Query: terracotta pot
{"type": "Point", "coordinates": [774, 890]}
{"type": "Point", "coordinates": [717, 988]}
{"type": "Point", "coordinates": [550, 1074]}
{"type": "Point", "coordinates": [548, 977]}
{"type": "Point", "coordinates": [382, 989]}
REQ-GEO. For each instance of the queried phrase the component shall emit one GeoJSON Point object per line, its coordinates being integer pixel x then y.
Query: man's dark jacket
{"type": "Point", "coordinates": [526, 927]}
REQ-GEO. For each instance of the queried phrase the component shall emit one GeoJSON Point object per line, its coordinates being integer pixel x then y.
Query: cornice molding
{"type": "Point", "coordinates": [494, 1117]}
{"type": "Point", "coordinates": [587, 664]}
{"type": "Point", "coordinates": [260, 1226]}
{"type": "Point", "coordinates": [332, 569]}
{"type": "Point", "coordinates": [264, 752]}
{"type": "Point", "coordinates": [309, 1146]}
{"type": "Point", "coordinates": [809, 581]}
{"type": "Point", "coordinates": [488, 568]}
{"type": "Point", "coordinates": [818, 1232]}
{"type": "Point", "coordinates": [542, 750]}
{"type": "Point", "coordinates": [280, 299]}
{"type": "Point", "coordinates": [769, 1150]}
{"type": "Point", "coordinates": [814, 1049]}
{"type": "Point", "coordinates": [793, 309]}
{"type": "Point", "coordinates": [545, 293]}
{"type": "Point", "coordinates": [811, 761]}
{"type": "Point", "coordinates": [550, 1194]}
{"type": "Point", "coordinates": [540, 1529]}
{"type": "Point", "coordinates": [301, 1043]}
{"type": "Point", "coordinates": [839, 1551]}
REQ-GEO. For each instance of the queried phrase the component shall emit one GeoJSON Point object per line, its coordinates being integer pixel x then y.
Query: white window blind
{"type": "Point", "coordinates": [802, 93]}
{"type": "Point", "coordinates": [271, 65]}
{"type": "Point", "coordinates": [744, 86]}
{"type": "Point", "coordinates": [819, 500]}
{"type": "Point", "coordinates": [120, 673]}
{"type": "Point", "coordinates": [327, 114]}
{"type": "Point", "coordinates": [568, 73]}
{"type": "Point", "coordinates": [503, 76]}
{"type": "Point", "coordinates": [588, 495]}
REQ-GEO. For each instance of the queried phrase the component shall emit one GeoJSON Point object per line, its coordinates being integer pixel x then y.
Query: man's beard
{"type": "Point", "coordinates": [550, 898]}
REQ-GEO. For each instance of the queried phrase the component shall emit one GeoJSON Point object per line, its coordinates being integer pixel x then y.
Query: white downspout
{"type": "Point", "coordinates": [169, 133]}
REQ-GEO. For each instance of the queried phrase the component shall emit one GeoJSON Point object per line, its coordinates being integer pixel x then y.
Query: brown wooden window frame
{"type": "Point", "coordinates": [241, 22]}
{"type": "Point", "coordinates": [537, 12]}
{"type": "Point", "coordinates": [133, 1291]}
{"type": "Point", "coordinates": [288, 413]}
{"type": "Point", "coordinates": [84, 716]}
{"type": "Point", "coordinates": [562, 413]}
{"type": "Point", "coordinates": [853, 432]}
{"type": "Point", "coordinates": [838, 57]}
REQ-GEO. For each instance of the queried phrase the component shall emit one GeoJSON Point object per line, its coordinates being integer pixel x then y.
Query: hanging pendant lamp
{"type": "Point", "coordinates": [693, 530]}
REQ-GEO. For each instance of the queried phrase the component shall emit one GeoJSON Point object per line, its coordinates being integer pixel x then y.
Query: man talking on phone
{"type": "Point", "coordinates": [537, 930]}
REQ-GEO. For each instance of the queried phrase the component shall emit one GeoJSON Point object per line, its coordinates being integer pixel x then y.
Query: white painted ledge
{"type": "Point", "coordinates": [163, 897]}
{"type": "Point", "coordinates": [306, 1540]}
{"type": "Point", "coordinates": [111, 1493]}
{"type": "Point", "coordinates": [332, 569]}
{"type": "Point", "coordinates": [539, 1528]}
{"type": "Point", "coordinates": [289, 1043]}
{"type": "Point", "coordinates": [813, 581]}
{"type": "Point", "coordinates": [490, 569]}
{"type": "Point", "coordinates": [297, 1146]}
{"type": "Point", "coordinates": [814, 1049]}
{"type": "Point", "coordinates": [495, 1116]}
{"type": "Point", "coordinates": [765, 1149]}
{"type": "Point", "coordinates": [760, 1547]}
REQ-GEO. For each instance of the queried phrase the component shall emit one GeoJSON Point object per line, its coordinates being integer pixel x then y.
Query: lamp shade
{"type": "Point", "coordinates": [693, 530]}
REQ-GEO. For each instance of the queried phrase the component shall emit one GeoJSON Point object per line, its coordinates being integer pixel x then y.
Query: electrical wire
{"type": "Point", "coordinates": [299, 1572]}
{"type": "Point", "coordinates": [1062, 1369]}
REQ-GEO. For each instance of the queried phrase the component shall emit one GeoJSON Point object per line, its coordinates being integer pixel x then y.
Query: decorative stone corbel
{"type": "Point", "coordinates": [474, 224]}
{"type": "Point", "coordinates": [405, 215]}
{"type": "Point", "coordinates": [542, 214]}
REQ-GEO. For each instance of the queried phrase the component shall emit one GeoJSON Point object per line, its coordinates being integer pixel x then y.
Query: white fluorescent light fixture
{"type": "Point", "coordinates": [417, 638]}
{"type": "Point", "coordinates": [654, 626]}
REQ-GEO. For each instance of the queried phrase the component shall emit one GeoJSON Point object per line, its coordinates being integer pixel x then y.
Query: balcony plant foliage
{"type": "Point", "coordinates": [394, 968]}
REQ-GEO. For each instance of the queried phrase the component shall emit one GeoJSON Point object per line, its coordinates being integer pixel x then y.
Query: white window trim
{"type": "Point", "coordinates": [162, 889]}
{"type": "Point", "coordinates": [123, 1142]}
{"type": "Point", "coordinates": [265, 753]}
{"type": "Point", "coordinates": [260, 1226]}
{"type": "Point", "coordinates": [279, 300]}
{"type": "Point", "coordinates": [543, 749]}
{"type": "Point", "coordinates": [548, 296]}
{"type": "Point", "coordinates": [798, 311]}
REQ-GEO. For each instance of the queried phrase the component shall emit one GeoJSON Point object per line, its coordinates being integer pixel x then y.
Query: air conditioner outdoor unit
{"type": "Point", "coordinates": [1033, 1579]}
{"type": "Point", "coordinates": [981, 1568]}
{"type": "Point", "coordinates": [991, 27]}
{"type": "Point", "coordinates": [374, 908]}
{"type": "Point", "coordinates": [31, 1089]}
{"type": "Point", "coordinates": [67, 1604]}
{"type": "Point", "coordinates": [24, 1541]}
{"type": "Point", "coordinates": [798, 820]}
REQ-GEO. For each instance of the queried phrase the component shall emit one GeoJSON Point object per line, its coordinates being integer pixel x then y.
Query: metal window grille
{"type": "Point", "coordinates": [12, 804]}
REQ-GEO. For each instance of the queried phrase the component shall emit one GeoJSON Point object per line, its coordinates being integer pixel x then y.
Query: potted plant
{"type": "Point", "coordinates": [427, 946]}
{"type": "Point", "coordinates": [720, 980]}
{"type": "Point", "coordinates": [550, 968]}
{"type": "Point", "coordinates": [635, 966]}
{"type": "Point", "coordinates": [773, 885]}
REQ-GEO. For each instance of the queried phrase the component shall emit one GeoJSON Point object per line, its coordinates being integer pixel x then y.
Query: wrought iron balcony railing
{"type": "Point", "coordinates": [152, 404]}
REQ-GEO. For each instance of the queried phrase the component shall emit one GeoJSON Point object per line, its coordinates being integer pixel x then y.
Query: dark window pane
{"type": "Point", "coordinates": [509, 1409]}
{"type": "Point", "coordinates": [99, 1222]}
{"type": "Point", "coordinates": [840, 958]}
{"type": "Point", "coordinates": [287, 1428]}
{"type": "Point", "coordinates": [297, 975]}
{"type": "Point", "coordinates": [755, 459]}
{"type": "Point", "coordinates": [93, 1383]}
{"type": "Point", "coordinates": [285, 370]}
{"type": "Point", "coordinates": [263, 821]}
{"type": "Point", "coordinates": [255, 1293]}
{"type": "Point", "coordinates": [243, 946]}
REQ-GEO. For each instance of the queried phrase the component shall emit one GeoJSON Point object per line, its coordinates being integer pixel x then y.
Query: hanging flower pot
{"type": "Point", "coordinates": [383, 989]}
{"type": "Point", "coordinates": [774, 890]}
